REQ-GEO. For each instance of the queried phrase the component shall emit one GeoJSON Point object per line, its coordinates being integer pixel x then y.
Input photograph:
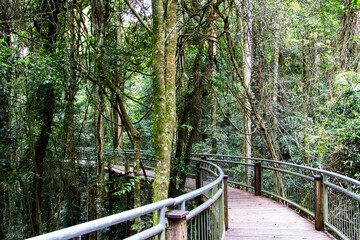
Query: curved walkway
{"type": "Point", "coordinates": [252, 217]}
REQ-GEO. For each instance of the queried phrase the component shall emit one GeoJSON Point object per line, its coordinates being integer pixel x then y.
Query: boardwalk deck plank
{"type": "Point", "coordinates": [252, 217]}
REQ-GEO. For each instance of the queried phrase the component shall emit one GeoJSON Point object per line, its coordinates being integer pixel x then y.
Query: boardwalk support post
{"type": "Point", "coordinates": [177, 229]}
{"type": "Point", "coordinates": [226, 203]}
{"type": "Point", "coordinates": [319, 203]}
{"type": "Point", "coordinates": [258, 178]}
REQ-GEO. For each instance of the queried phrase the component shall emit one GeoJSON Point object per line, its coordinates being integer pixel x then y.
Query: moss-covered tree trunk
{"type": "Point", "coordinates": [162, 151]}
{"type": "Point", "coordinates": [164, 93]}
{"type": "Point", "coordinates": [212, 71]}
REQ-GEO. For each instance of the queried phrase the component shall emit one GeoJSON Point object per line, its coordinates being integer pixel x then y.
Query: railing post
{"type": "Point", "coordinates": [198, 176]}
{"type": "Point", "coordinates": [258, 178]}
{"type": "Point", "coordinates": [203, 172]}
{"type": "Point", "coordinates": [226, 204]}
{"type": "Point", "coordinates": [177, 229]}
{"type": "Point", "coordinates": [319, 203]}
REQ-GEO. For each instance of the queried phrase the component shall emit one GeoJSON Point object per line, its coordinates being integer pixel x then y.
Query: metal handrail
{"type": "Point", "coordinates": [78, 230]}
{"type": "Point", "coordinates": [348, 197]}
{"type": "Point", "coordinates": [332, 174]}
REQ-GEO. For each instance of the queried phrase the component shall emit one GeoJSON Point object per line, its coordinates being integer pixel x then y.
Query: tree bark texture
{"type": "Point", "coordinates": [164, 93]}
{"type": "Point", "coordinates": [348, 45]}
{"type": "Point", "coordinates": [162, 151]}
{"type": "Point", "coordinates": [247, 59]}
{"type": "Point", "coordinates": [212, 70]}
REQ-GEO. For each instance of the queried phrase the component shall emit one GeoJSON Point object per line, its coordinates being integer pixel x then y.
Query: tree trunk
{"type": "Point", "coordinates": [137, 189]}
{"type": "Point", "coordinates": [170, 77]}
{"type": "Point", "coordinates": [212, 70]}
{"type": "Point", "coordinates": [100, 15]}
{"type": "Point", "coordinates": [275, 86]}
{"type": "Point", "coordinates": [349, 46]}
{"type": "Point", "coordinates": [47, 114]}
{"type": "Point", "coordinates": [162, 151]}
{"type": "Point", "coordinates": [265, 133]}
{"type": "Point", "coordinates": [118, 129]}
{"type": "Point", "coordinates": [99, 137]}
{"type": "Point", "coordinates": [248, 59]}
{"type": "Point", "coordinates": [40, 153]}
{"type": "Point", "coordinates": [164, 94]}
{"type": "Point", "coordinates": [68, 125]}
{"type": "Point", "coordinates": [306, 86]}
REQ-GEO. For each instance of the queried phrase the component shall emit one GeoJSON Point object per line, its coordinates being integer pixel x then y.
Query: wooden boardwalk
{"type": "Point", "coordinates": [252, 217]}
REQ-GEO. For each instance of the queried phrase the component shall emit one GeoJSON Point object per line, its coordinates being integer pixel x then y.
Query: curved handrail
{"type": "Point", "coordinates": [94, 225]}
{"type": "Point", "coordinates": [293, 184]}
{"type": "Point", "coordinates": [339, 199]}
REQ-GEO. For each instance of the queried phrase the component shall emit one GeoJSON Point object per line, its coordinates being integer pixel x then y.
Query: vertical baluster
{"type": "Point", "coordinates": [208, 229]}
{"type": "Point", "coordinates": [183, 206]}
{"type": "Point", "coordinates": [212, 222]}
{"type": "Point", "coordinates": [357, 224]}
{"type": "Point", "coordinates": [326, 200]}
{"type": "Point", "coordinates": [226, 203]}
{"type": "Point", "coordinates": [196, 226]}
{"type": "Point", "coordinates": [162, 220]}
{"type": "Point", "coordinates": [202, 225]}
{"type": "Point", "coordinates": [353, 218]}
{"type": "Point", "coordinates": [341, 217]}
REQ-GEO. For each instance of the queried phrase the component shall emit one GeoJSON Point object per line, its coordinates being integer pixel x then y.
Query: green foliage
{"type": "Point", "coordinates": [126, 187]}
{"type": "Point", "coordinates": [310, 33]}
{"type": "Point", "coordinates": [337, 141]}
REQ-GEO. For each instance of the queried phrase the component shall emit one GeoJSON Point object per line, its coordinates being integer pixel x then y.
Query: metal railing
{"type": "Point", "coordinates": [204, 221]}
{"type": "Point", "coordinates": [331, 200]}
